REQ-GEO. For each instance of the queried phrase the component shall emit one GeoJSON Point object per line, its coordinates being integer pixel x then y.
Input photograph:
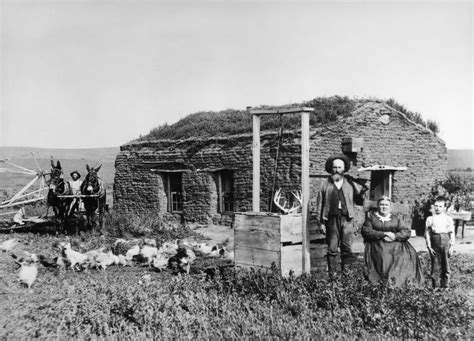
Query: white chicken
{"type": "Point", "coordinates": [229, 255]}
{"type": "Point", "coordinates": [160, 261]}
{"type": "Point", "coordinates": [148, 252]}
{"type": "Point", "coordinates": [149, 242]}
{"type": "Point", "coordinates": [94, 253]}
{"type": "Point", "coordinates": [28, 269]}
{"type": "Point", "coordinates": [204, 249]}
{"type": "Point", "coordinates": [18, 218]}
{"type": "Point", "coordinates": [121, 260]}
{"type": "Point", "coordinates": [121, 246]}
{"type": "Point", "coordinates": [8, 245]}
{"type": "Point", "coordinates": [76, 258]}
{"type": "Point", "coordinates": [168, 249]}
{"type": "Point", "coordinates": [132, 252]}
{"type": "Point", "coordinates": [181, 262]}
{"type": "Point", "coordinates": [103, 260]}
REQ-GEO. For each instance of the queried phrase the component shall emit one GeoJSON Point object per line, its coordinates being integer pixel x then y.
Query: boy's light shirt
{"type": "Point", "coordinates": [441, 223]}
{"type": "Point", "coordinates": [76, 186]}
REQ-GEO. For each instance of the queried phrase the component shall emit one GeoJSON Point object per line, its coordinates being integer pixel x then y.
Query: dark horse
{"type": "Point", "coordinates": [94, 187]}
{"type": "Point", "coordinates": [57, 188]}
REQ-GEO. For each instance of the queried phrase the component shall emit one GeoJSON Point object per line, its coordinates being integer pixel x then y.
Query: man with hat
{"type": "Point", "coordinates": [336, 208]}
{"type": "Point", "coordinates": [76, 190]}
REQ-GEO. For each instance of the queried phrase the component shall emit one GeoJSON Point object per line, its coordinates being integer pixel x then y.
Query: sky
{"type": "Point", "coordinates": [84, 74]}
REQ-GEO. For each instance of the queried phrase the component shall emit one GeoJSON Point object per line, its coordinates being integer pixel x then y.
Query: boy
{"type": "Point", "coordinates": [76, 190]}
{"type": "Point", "coordinates": [439, 237]}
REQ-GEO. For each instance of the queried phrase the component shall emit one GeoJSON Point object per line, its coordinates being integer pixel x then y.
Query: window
{"type": "Point", "coordinates": [380, 184]}
{"type": "Point", "coordinates": [225, 191]}
{"type": "Point", "coordinates": [173, 185]}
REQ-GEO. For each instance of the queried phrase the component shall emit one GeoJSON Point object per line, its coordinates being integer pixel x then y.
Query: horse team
{"type": "Point", "coordinates": [61, 196]}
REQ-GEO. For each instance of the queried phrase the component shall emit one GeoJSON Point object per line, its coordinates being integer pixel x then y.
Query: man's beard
{"type": "Point", "coordinates": [336, 176]}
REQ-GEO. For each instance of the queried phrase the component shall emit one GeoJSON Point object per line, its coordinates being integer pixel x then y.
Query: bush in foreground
{"type": "Point", "coordinates": [234, 305]}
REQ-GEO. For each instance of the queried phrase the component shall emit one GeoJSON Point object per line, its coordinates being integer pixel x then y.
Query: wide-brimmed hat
{"type": "Point", "coordinates": [76, 172]}
{"type": "Point", "coordinates": [347, 163]}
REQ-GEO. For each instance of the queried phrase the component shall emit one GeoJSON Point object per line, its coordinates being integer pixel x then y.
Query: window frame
{"type": "Point", "coordinates": [172, 205]}
{"type": "Point", "coordinates": [225, 199]}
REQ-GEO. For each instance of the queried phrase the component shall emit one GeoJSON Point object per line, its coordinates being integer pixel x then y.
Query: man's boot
{"type": "Point", "coordinates": [444, 282]}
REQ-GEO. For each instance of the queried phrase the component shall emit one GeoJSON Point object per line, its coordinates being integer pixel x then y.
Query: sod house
{"type": "Point", "coordinates": [205, 178]}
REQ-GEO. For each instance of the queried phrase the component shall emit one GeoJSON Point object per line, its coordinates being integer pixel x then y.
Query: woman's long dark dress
{"type": "Point", "coordinates": [395, 261]}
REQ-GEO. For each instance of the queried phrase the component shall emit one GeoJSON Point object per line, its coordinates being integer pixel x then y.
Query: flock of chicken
{"type": "Point", "coordinates": [176, 256]}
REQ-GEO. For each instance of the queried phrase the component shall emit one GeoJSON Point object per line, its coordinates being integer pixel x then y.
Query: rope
{"type": "Point", "coordinates": [277, 158]}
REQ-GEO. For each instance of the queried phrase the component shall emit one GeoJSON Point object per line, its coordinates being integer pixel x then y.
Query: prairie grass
{"type": "Point", "coordinates": [229, 304]}
{"type": "Point", "coordinates": [223, 123]}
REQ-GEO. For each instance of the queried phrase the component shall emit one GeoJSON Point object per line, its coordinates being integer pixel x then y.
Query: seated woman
{"type": "Point", "coordinates": [388, 253]}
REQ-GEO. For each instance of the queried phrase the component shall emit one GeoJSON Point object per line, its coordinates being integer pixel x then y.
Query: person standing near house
{"type": "Point", "coordinates": [440, 238]}
{"type": "Point", "coordinates": [336, 210]}
{"type": "Point", "coordinates": [76, 190]}
{"type": "Point", "coordinates": [457, 207]}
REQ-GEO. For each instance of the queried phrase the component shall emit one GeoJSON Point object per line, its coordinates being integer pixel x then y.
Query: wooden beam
{"type": "Point", "coordinates": [170, 170]}
{"type": "Point", "coordinates": [305, 189]}
{"type": "Point", "coordinates": [296, 110]}
{"type": "Point", "coordinates": [256, 164]}
{"type": "Point", "coordinates": [390, 185]}
{"type": "Point", "coordinates": [79, 196]}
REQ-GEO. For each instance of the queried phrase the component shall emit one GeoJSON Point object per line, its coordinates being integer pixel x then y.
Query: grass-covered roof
{"type": "Point", "coordinates": [232, 122]}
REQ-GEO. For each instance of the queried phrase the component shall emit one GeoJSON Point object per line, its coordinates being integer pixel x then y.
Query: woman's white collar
{"type": "Point", "coordinates": [382, 218]}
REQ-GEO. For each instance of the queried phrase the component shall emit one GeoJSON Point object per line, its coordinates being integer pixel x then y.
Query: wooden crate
{"type": "Point", "coordinates": [461, 215]}
{"type": "Point", "coordinates": [264, 239]}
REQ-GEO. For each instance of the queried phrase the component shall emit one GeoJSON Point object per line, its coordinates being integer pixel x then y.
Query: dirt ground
{"type": "Point", "coordinates": [225, 235]}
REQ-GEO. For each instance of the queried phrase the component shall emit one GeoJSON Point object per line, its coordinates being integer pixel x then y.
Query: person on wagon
{"type": "Point", "coordinates": [76, 190]}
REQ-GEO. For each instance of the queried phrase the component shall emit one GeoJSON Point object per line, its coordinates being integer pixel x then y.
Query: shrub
{"type": "Point", "coordinates": [232, 122]}
{"type": "Point", "coordinates": [119, 302]}
{"type": "Point", "coordinates": [146, 225]}
{"type": "Point", "coordinates": [433, 126]}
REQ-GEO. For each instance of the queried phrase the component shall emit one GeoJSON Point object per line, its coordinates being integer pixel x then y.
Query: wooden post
{"type": "Point", "coordinates": [390, 185]}
{"type": "Point", "coordinates": [256, 164]}
{"type": "Point", "coordinates": [305, 260]}
{"type": "Point", "coordinates": [305, 189]}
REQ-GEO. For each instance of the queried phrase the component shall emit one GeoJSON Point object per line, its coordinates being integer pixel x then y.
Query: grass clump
{"type": "Point", "coordinates": [122, 225]}
{"type": "Point", "coordinates": [233, 122]}
{"type": "Point", "coordinates": [235, 304]}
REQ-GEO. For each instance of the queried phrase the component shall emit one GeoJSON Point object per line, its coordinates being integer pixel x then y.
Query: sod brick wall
{"type": "Point", "coordinates": [389, 138]}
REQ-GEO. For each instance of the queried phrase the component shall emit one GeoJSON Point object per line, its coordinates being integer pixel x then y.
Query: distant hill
{"type": "Point", "coordinates": [457, 158]}
{"type": "Point", "coordinates": [71, 159]}
{"type": "Point", "coordinates": [90, 155]}
{"type": "Point", "coordinates": [461, 158]}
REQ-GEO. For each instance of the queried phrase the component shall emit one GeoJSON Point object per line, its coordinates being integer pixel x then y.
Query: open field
{"type": "Point", "coordinates": [460, 158]}
{"type": "Point", "coordinates": [139, 302]}
{"type": "Point", "coordinates": [71, 159]}
{"type": "Point", "coordinates": [90, 155]}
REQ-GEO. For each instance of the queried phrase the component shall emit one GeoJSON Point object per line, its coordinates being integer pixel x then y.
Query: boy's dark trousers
{"type": "Point", "coordinates": [440, 245]}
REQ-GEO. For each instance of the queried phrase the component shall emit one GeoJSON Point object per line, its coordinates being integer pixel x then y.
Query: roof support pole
{"type": "Point", "coordinates": [256, 164]}
{"type": "Point", "coordinates": [305, 189]}
{"type": "Point", "coordinates": [306, 265]}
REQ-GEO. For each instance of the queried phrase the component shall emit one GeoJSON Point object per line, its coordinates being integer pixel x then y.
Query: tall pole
{"type": "Point", "coordinates": [256, 163]}
{"type": "Point", "coordinates": [305, 189]}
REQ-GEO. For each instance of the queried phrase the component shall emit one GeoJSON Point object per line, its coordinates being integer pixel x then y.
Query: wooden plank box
{"type": "Point", "coordinates": [264, 239]}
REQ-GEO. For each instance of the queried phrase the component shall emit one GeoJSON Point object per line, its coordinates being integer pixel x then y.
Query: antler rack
{"type": "Point", "coordinates": [285, 207]}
